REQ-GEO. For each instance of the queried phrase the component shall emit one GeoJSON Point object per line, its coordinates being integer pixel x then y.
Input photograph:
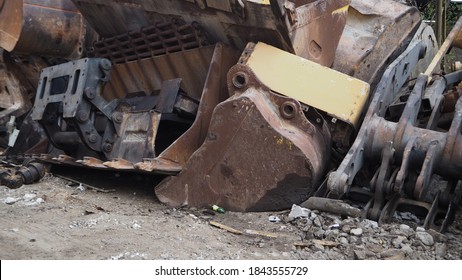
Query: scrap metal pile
{"type": "Point", "coordinates": [251, 105]}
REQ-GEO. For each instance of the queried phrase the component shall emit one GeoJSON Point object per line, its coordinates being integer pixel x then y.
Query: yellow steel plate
{"type": "Point", "coordinates": [338, 94]}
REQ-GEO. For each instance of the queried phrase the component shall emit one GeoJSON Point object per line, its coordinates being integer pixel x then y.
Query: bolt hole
{"type": "Point", "coordinates": [288, 110]}
{"type": "Point", "coordinates": [240, 80]}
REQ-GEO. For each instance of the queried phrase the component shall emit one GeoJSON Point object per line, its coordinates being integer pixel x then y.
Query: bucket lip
{"type": "Point", "coordinates": [11, 21]}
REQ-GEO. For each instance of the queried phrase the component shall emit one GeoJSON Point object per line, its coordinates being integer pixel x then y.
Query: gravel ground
{"type": "Point", "coordinates": [122, 219]}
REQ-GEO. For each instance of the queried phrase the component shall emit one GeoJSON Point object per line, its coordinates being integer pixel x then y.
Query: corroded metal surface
{"type": "Point", "coordinates": [376, 32]}
{"type": "Point", "coordinates": [261, 153]}
{"type": "Point", "coordinates": [41, 27]}
{"type": "Point", "coordinates": [123, 133]}
{"type": "Point", "coordinates": [158, 39]}
{"type": "Point", "coordinates": [214, 92]}
{"type": "Point", "coordinates": [10, 23]}
{"type": "Point", "coordinates": [146, 75]}
{"type": "Point", "coordinates": [298, 27]}
{"type": "Point", "coordinates": [405, 158]}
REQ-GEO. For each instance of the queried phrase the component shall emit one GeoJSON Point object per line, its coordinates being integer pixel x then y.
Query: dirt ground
{"type": "Point", "coordinates": [59, 219]}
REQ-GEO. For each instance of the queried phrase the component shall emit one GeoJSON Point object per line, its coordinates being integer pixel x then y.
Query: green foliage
{"type": "Point", "coordinates": [453, 12]}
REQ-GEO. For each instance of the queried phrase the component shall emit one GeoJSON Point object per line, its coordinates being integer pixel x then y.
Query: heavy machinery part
{"type": "Point", "coordinates": [28, 173]}
{"type": "Point", "coordinates": [18, 80]}
{"type": "Point", "coordinates": [331, 205]}
{"type": "Point", "coordinates": [376, 32]}
{"type": "Point", "coordinates": [335, 93]}
{"type": "Point", "coordinates": [158, 39]}
{"type": "Point", "coordinates": [289, 25]}
{"type": "Point", "coordinates": [14, 100]}
{"type": "Point", "coordinates": [146, 75]}
{"type": "Point", "coordinates": [262, 152]}
{"type": "Point", "coordinates": [340, 98]}
{"type": "Point", "coordinates": [78, 119]}
{"type": "Point", "coordinates": [42, 27]}
{"type": "Point", "coordinates": [122, 133]}
{"type": "Point", "coordinates": [426, 35]}
{"type": "Point", "coordinates": [393, 79]}
{"type": "Point", "coordinates": [417, 164]}
{"type": "Point", "coordinates": [10, 27]}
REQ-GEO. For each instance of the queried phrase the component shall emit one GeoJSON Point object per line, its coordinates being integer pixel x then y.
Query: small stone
{"type": "Point", "coordinates": [318, 221]}
{"type": "Point", "coordinates": [136, 226]}
{"type": "Point", "coordinates": [356, 231]}
{"type": "Point", "coordinates": [369, 224]}
{"type": "Point", "coordinates": [370, 254]}
{"type": "Point", "coordinates": [15, 229]}
{"type": "Point", "coordinates": [39, 200]}
{"type": "Point", "coordinates": [373, 240]}
{"type": "Point", "coordinates": [343, 240]}
{"type": "Point", "coordinates": [425, 237]}
{"type": "Point", "coordinates": [330, 232]}
{"type": "Point", "coordinates": [346, 228]}
{"type": "Point", "coordinates": [440, 250]}
{"type": "Point", "coordinates": [274, 219]}
{"type": "Point", "coordinates": [297, 212]}
{"type": "Point", "coordinates": [319, 234]}
{"type": "Point", "coordinates": [354, 239]}
{"type": "Point", "coordinates": [318, 247]}
{"type": "Point", "coordinates": [29, 196]}
{"type": "Point", "coordinates": [420, 229]}
{"type": "Point", "coordinates": [10, 200]}
{"type": "Point", "coordinates": [313, 216]}
{"type": "Point", "coordinates": [406, 230]}
{"type": "Point", "coordinates": [437, 237]}
{"type": "Point", "coordinates": [404, 227]}
{"type": "Point", "coordinates": [397, 242]}
{"type": "Point", "coordinates": [359, 254]}
{"type": "Point", "coordinates": [407, 249]}
{"type": "Point", "coordinates": [392, 254]}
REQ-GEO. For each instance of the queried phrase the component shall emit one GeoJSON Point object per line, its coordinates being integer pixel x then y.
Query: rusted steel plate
{"type": "Point", "coordinates": [119, 164]}
{"type": "Point", "coordinates": [158, 39]}
{"type": "Point", "coordinates": [42, 27]}
{"type": "Point", "coordinates": [92, 162]}
{"type": "Point", "coordinates": [214, 91]}
{"type": "Point", "coordinates": [253, 158]}
{"type": "Point", "coordinates": [10, 23]}
{"type": "Point", "coordinates": [300, 28]}
{"type": "Point", "coordinates": [376, 32]}
{"type": "Point", "coordinates": [147, 75]}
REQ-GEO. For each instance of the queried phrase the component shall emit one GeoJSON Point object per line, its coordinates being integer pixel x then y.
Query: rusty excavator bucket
{"type": "Point", "coordinates": [264, 150]}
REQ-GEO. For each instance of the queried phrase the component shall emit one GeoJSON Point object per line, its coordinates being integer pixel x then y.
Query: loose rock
{"type": "Point", "coordinates": [437, 237]}
{"type": "Point", "coordinates": [356, 231]}
{"type": "Point", "coordinates": [359, 254]}
{"type": "Point", "coordinates": [440, 250]}
{"type": "Point", "coordinates": [425, 237]}
{"type": "Point", "coordinates": [343, 240]}
{"type": "Point", "coordinates": [397, 242]}
{"type": "Point", "coordinates": [407, 249]}
{"type": "Point", "coordinates": [10, 200]}
{"type": "Point", "coordinates": [393, 254]}
{"type": "Point", "coordinates": [297, 212]}
{"type": "Point", "coordinates": [29, 196]}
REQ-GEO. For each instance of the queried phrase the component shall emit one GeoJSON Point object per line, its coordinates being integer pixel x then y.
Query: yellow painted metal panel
{"type": "Point", "coordinates": [336, 93]}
